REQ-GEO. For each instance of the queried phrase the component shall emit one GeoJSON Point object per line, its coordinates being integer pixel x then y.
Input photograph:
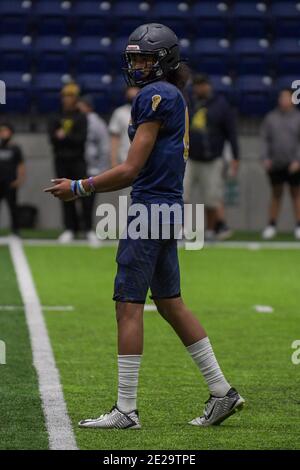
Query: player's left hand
{"type": "Point", "coordinates": [61, 189]}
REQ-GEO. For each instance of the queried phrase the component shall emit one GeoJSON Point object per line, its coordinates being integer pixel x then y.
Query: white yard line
{"type": "Point", "coordinates": [58, 424]}
{"type": "Point", "coordinates": [45, 308]}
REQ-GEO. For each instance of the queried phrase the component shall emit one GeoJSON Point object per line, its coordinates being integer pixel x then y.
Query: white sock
{"type": "Point", "coordinates": [203, 355]}
{"type": "Point", "coordinates": [128, 382]}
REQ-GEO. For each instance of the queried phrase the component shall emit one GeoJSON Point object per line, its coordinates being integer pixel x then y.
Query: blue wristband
{"type": "Point", "coordinates": [73, 187]}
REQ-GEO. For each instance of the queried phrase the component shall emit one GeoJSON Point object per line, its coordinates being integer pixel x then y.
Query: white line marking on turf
{"type": "Point", "coordinates": [58, 424]}
{"type": "Point", "coordinates": [263, 308]}
{"type": "Point", "coordinates": [45, 308]}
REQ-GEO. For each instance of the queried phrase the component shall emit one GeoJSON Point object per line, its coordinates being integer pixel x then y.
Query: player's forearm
{"type": "Point", "coordinates": [115, 142]}
{"type": "Point", "coordinates": [118, 177]}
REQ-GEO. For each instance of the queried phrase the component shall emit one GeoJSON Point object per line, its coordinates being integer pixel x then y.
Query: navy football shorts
{"type": "Point", "coordinates": [144, 264]}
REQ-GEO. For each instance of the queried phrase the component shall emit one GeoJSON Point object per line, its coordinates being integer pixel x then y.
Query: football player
{"type": "Point", "coordinates": [155, 168]}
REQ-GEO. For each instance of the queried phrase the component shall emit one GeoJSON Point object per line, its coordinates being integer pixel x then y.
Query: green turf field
{"type": "Point", "coordinates": [221, 286]}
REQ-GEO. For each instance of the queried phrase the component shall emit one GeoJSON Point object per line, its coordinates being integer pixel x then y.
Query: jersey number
{"type": "Point", "coordinates": [186, 137]}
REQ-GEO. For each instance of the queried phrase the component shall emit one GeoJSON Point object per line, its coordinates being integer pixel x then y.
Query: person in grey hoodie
{"type": "Point", "coordinates": [280, 136]}
{"type": "Point", "coordinates": [97, 149]}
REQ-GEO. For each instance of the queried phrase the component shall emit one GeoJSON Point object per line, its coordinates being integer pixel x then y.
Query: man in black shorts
{"type": "Point", "coordinates": [280, 133]}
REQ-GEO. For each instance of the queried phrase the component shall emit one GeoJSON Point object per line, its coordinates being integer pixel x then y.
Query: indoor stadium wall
{"type": "Point", "coordinates": [248, 212]}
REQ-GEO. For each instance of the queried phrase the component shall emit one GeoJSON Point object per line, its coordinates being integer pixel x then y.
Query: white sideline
{"type": "Point", "coordinates": [58, 424]}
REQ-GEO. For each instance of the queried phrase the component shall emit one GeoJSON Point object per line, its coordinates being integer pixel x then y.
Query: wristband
{"type": "Point", "coordinates": [81, 190]}
{"type": "Point", "coordinates": [73, 187]}
{"type": "Point", "coordinates": [91, 184]}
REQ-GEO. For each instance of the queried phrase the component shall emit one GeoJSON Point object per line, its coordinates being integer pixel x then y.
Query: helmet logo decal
{"type": "Point", "coordinates": [133, 47]}
{"type": "Point", "coordinates": [156, 99]}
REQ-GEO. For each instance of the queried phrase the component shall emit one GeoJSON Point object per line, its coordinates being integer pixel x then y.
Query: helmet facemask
{"type": "Point", "coordinates": [151, 71]}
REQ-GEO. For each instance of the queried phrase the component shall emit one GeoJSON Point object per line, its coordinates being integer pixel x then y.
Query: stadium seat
{"type": "Point", "coordinates": [176, 15]}
{"type": "Point", "coordinates": [54, 8]}
{"type": "Point", "coordinates": [223, 85]}
{"type": "Point", "coordinates": [285, 18]}
{"type": "Point", "coordinates": [252, 56]}
{"type": "Point", "coordinates": [211, 56]}
{"type": "Point", "coordinates": [53, 54]}
{"type": "Point", "coordinates": [287, 56]}
{"type": "Point", "coordinates": [100, 87]}
{"type": "Point", "coordinates": [255, 94]}
{"type": "Point", "coordinates": [53, 17]}
{"type": "Point", "coordinates": [18, 25]}
{"type": "Point", "coordinates": [46, 90]}
{"type": "Point", "coordinates": [15, 8]}
{"type": "Point", "coordinates": [249, 19]}
{"type": "Point", "coordinates": [92, 9]}
{"type": "Point", "coordinates": [131, 9]}
{"type": "Point", "coordinates": [18, 92]}
{"type": "Point", "coordinates": [93, 54]}
{"type": "Point", "coordinates": [210, 19]}
{"type": "Point", "coordinates": [16, 53]}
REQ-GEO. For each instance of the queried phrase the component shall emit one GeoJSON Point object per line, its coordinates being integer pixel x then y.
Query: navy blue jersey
{"type": "Point", "coordinates": [161, 179]}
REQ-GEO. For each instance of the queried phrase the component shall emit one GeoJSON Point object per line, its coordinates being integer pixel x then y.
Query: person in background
{"type": "Point", "coordinates": [12, 172]}
{"type": "Point", "coordinates": [212, 124]}
{"type": "Point", "coordinates": [118, 128]}
{"type": "Point", "coordinates": [68, 134]}
{"type": "Point", "coordinates": [280, 134]}
{"type": "Point", "coordinates": [97, 149]}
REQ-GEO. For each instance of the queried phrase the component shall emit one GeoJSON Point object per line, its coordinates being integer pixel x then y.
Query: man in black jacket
{"type": "Point", "coordinates": [68, 133]}
{"type": "Point", "coordinates": [212, 124]}
{"type": "Point", "coordinates": [12, 172]}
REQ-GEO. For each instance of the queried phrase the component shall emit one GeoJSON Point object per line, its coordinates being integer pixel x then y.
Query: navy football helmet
{"type": "Point", "coordinates": [156, 42]}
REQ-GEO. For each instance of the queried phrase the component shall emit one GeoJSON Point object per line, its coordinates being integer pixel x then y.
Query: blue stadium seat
{"type": "Point", "coordinates": [212, 56]}
{"type": "Point", "coordinates": [210, 19]}
{"type": "Point", "coordinates": [18, 92]}
{"type": "Point", "coordinates": [125, 28]}
{"type": "Point", "coordinates": [252, 56]}
{"type": "Point", "coordinates": [53, 26]}
{"type": "Point", "coordinates": [17, 25]}
{"type": "Point", "coordinates": [54, 8]}
{"type": "Point", "coordinates": [46, 91]}
{"type": "Point", "coordinates": [255, 94]}
{"type": "Point", "coordinates": [250, 19]}
{"type": "Point", "coordinates": [287, 56]}
{"type": "Point", "coordinates": [95, 44]}
{"type": "Point", "coordinates": [92, 9]}
{"type": "Point", "coordinates": [94, 83]}
{"type": "Point", "coordinates": [93, 27]}
{"type": "Point", "coordinates": [223, 84]}
{"type": "Point", "coordinates": [16, 53]}
{"type": "Point", "coordinates": [123, 9]}
{"type": "Point", "coordinates": [100, 88]}
{"type": "Point", "coordinates": [176, 15]}
{"type": "Point", "coordinates": [53, 54]}
{"type": "Point", "coordinates": [53, 44]}
{"type": "Point", "coordinates": [286, 18]}
{"type": "Point", "coordinates": [15, 8]}
{"type": "Point", "coordinates": [93, 62]}
{"type": "Point", "coordinates": [285, 82]}
{"type": "Point", "coordinates": [93, 54]}
{"type": "Point", "coordinates": [53, 17]}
